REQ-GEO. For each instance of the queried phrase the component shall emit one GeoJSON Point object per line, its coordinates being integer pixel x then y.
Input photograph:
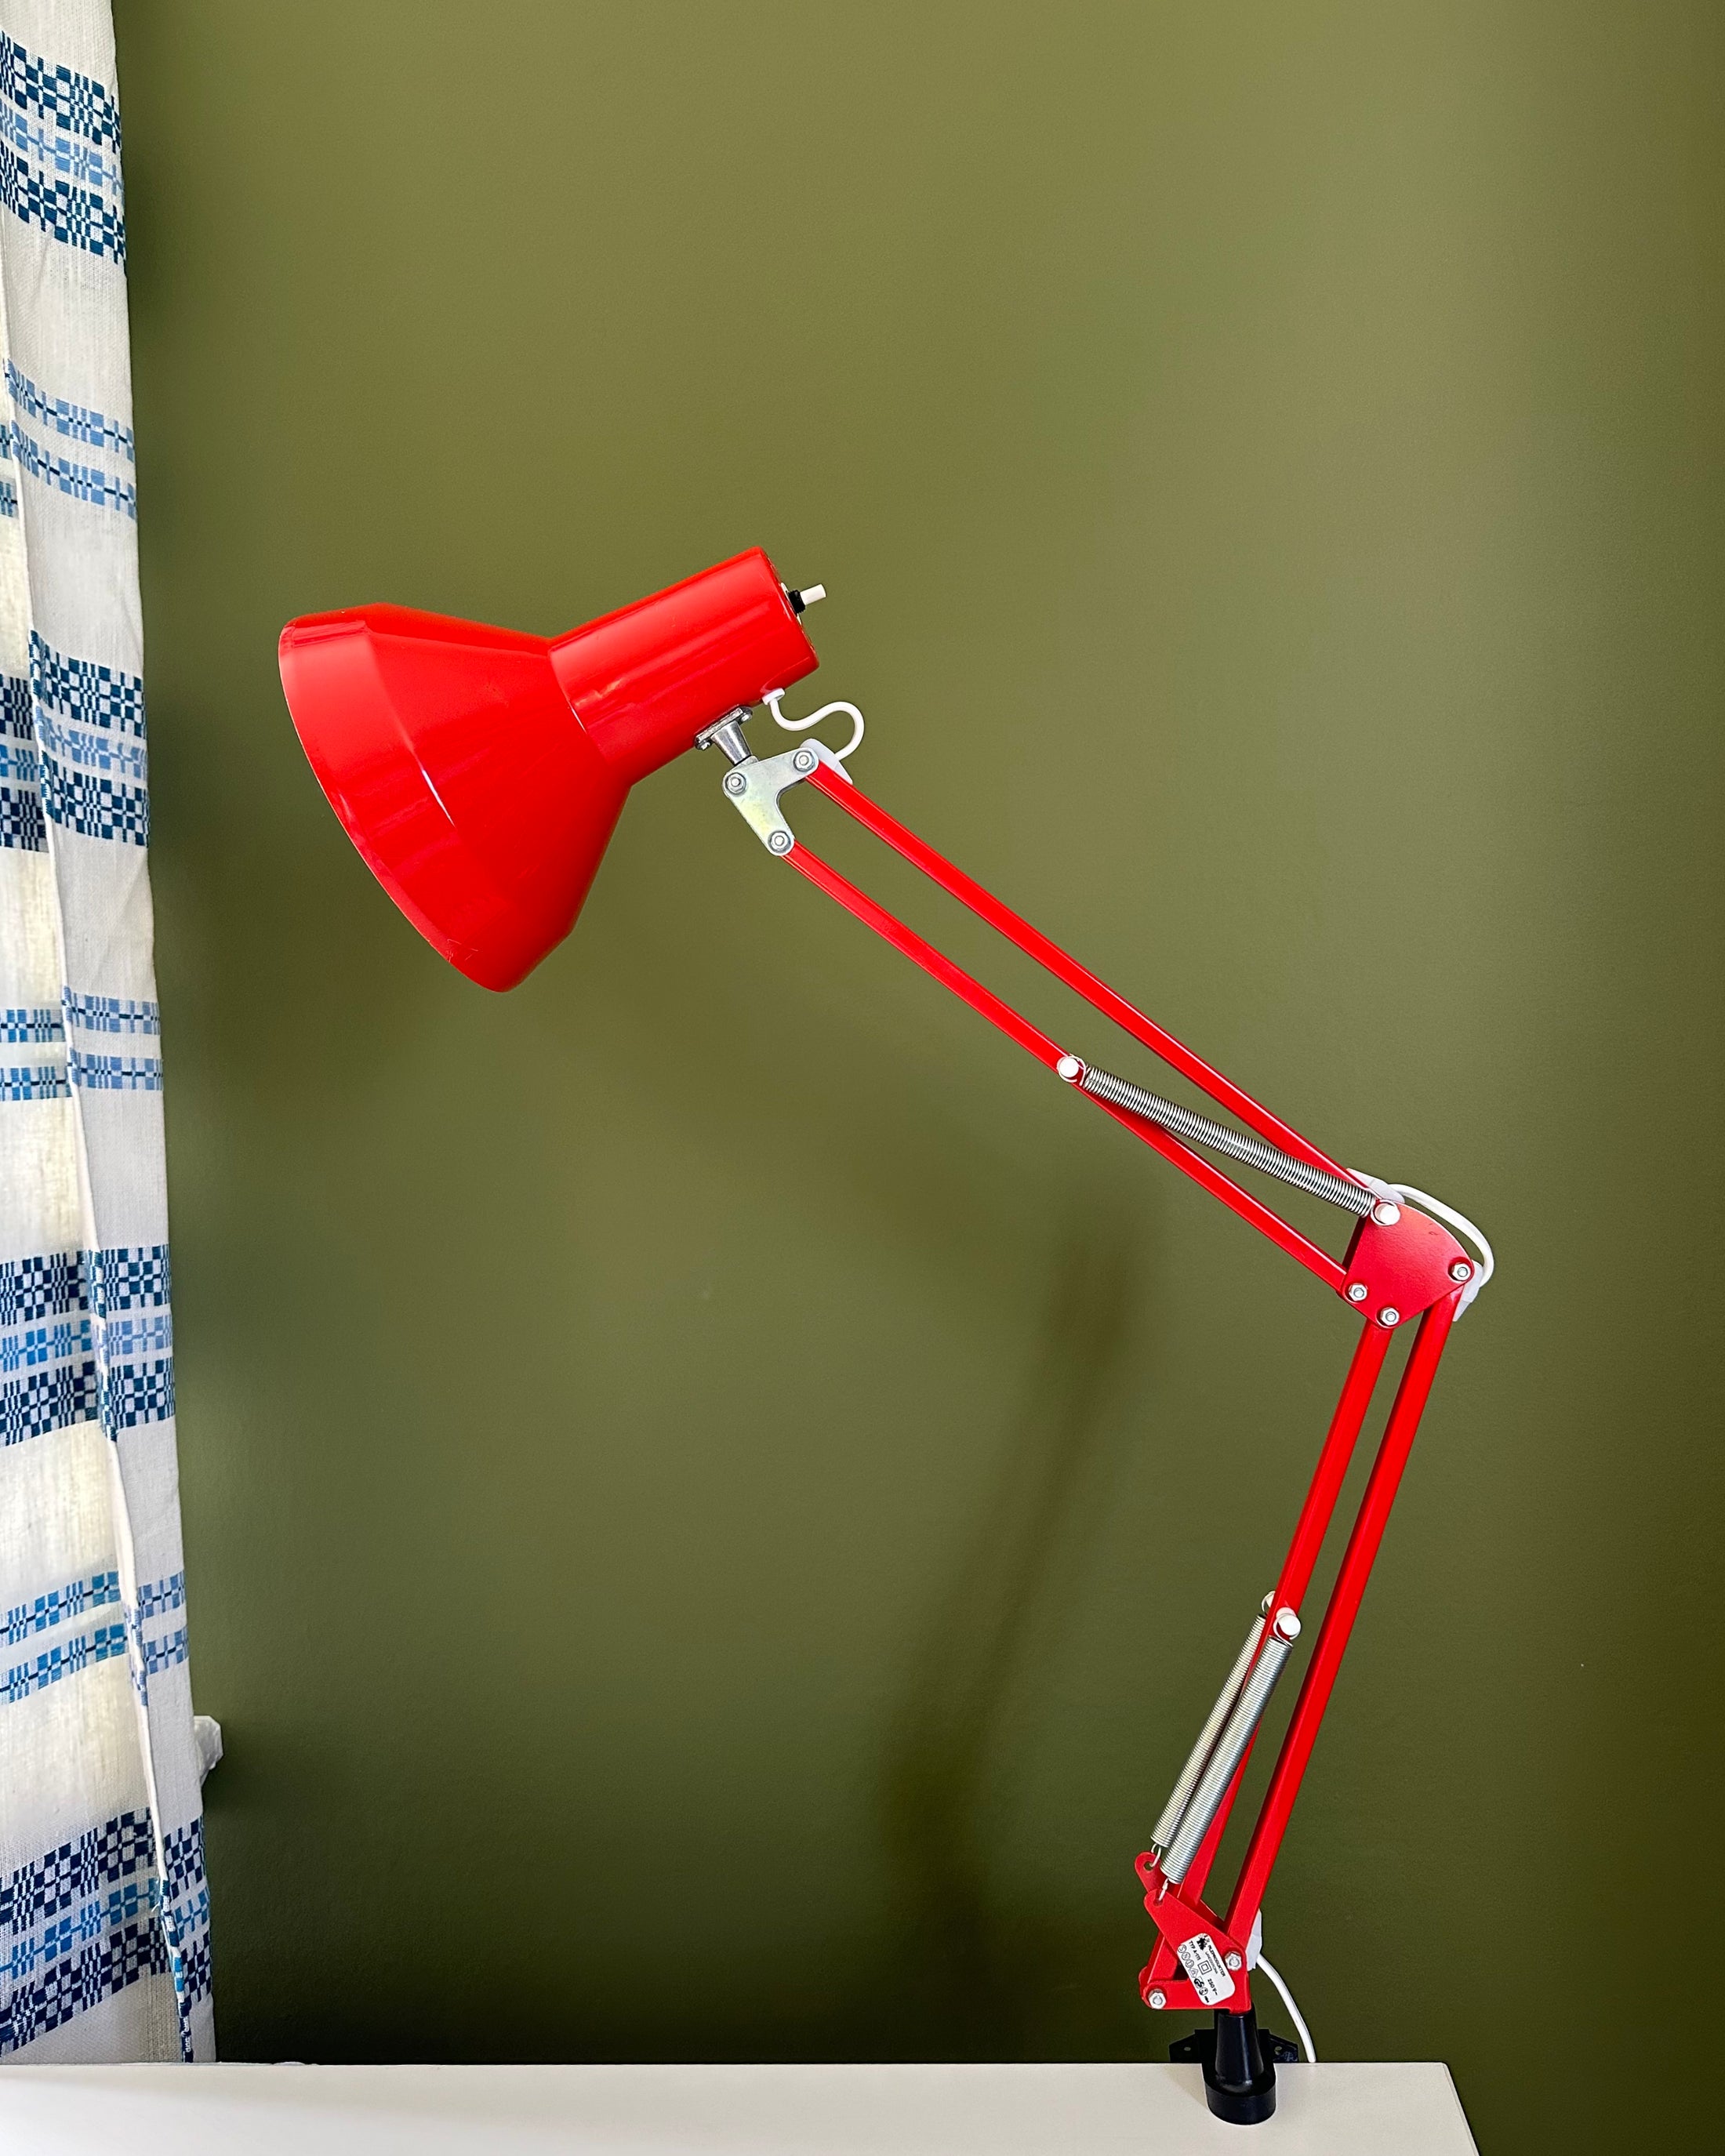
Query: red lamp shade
{"type": "Point", "coordinates": [481, 773]}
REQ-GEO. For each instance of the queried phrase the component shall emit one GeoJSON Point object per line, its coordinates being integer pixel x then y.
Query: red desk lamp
{"type": "Point", "coordinates": [481, 773]}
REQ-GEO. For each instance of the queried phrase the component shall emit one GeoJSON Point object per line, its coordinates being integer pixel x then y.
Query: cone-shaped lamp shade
{"type": "Point", "coordinates": [481, 773]}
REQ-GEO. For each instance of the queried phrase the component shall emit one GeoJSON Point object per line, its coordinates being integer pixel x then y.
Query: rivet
{"type": "Point", "coordinates": [735, 783]}
{"type": "Point", "coordinates": [803, 759]}
{"type": "Point", "coordinates": [1070, 1068]}
{"type": "Point", "coordinates": [780, 842]}
{"type": "Point", "coordinates": [1386, 1214]}
{"type": "Point", "coordinates": [1286, 1626]}
{"type": "Point", "coordinates": [1461, 1270]}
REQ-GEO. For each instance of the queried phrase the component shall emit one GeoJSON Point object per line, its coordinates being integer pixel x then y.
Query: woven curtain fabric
{"type": "Point", "coordinates": [103, 1916]}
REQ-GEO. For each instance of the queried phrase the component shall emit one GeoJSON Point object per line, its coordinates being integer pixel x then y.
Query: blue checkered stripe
{"type": "Point", "coordinates": [86, 1337]}
{"type": "Point", "coordinates": [20, 791]}
{"type": "Point", "coordinates": [114, 1074]}
{"type": "Point", "coordinates": [48, 1368]}
{"type": "Point", "coordinates": [70, 104]}
{"type": "Point", "coordinates": [33, 1022]}
{"type": "Point", "coordinates": [101, 1070]}
{"type": "Point", "coordinates": [59, 153]}
{"type": "Point", "coordinates": [68, 157]}
{"type": "Point", "coordinates": [72, 749]}
{"type": "Point", "coordinates": [129, 1294]}
{"type": "Point", "coordinates": [186, 1912]}
{"type": "Point", "coordinates": [105, 1015]}
{"type": "Point", "coordinates": [72, 422]}
{"type": "Point", "coordinates": [46, 1401]}
{"type": "Point", "coordinates": [126, 1277]}
{"type": "Point", "coordinates": [88, 723]}
{"type": "Point", "coordinates": [66, 475]}
{"type": "Point", "coordinates": [30, 1346]}
{"type": "Point", "coordinates": [77, 216]}
{"type": "Point", "coordinates": [159, 1641]}
{"type": "Point", "coordinates": [81, 1922]}
{"type": "Point", "coordinates": [92, 1916]}
{"type": "Point", "coordinates": [71, 475]}
{"type": "Point", "coordinates": [32, 1026]}
{"type": "Point", "coordinates": [64, 1658]}
{"type": "Point", "coordinates": [34, 1082]}
{"type": "Point", "coordinates": [91, 1070]}
{"type": "Point", "coordinates": [92, 695]}
{"type": "Point", "coordinates": [40, 1287]}
{"type": "Point", "coordinates": [60, 1606]}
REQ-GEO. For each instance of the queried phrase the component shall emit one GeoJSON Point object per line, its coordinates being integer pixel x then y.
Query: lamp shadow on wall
{"type": "Point", "coordinates": [965, 1951]}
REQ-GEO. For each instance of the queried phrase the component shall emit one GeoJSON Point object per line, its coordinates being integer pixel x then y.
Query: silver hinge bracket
{"type": "Point", "coordinates": [753, 783]}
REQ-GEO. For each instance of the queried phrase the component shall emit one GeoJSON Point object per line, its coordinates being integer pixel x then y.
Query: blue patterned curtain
{"type": "Point", "coordinates": [103, 1915]}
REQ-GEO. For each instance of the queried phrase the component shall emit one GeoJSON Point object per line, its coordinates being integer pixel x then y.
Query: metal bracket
{"type": "Point", "coordinates": [753, 789]}
{"type": "Point", "coordinates": [754, 782]}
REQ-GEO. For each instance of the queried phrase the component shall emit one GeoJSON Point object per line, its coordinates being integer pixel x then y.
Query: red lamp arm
{"type": "Point", "coordinates": [1400, 1264]}
{"type": "Point", "coordinates": [1016, 1027]}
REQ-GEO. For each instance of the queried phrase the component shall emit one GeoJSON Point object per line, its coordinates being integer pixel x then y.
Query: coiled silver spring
{"type": "Point", "coordinates": [1174, 1810]}
{"type": "Point", "coordinates": [1230, 1749]}
{"type": "Point", "coordinates": [1238, 1145]}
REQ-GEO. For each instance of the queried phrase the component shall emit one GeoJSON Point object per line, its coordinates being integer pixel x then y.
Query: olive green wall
{"type": "Point", "coordinates": [715, 1496]}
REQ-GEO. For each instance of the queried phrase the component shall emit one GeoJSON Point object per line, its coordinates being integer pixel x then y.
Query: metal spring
{"type": "Point", "coordinates": [1165, 1829]}
{"type": "Point", "coordinates": [1230, 1750]}
{"type": "Point", "coordinates": [1239, 1145]}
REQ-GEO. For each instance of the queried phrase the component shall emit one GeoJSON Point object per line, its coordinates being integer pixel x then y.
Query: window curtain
{"type": "Point", "coordinates": [104, 1914]}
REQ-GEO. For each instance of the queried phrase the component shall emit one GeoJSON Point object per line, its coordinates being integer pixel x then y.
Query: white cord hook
{"type": "Point", "coordinates": [834, 758]}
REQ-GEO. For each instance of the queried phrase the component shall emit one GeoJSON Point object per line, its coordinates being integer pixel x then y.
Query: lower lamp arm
{"type": "Point", "coordinates": [1401, 1264]}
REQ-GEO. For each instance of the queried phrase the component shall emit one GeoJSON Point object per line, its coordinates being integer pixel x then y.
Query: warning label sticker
{"type": "Point", "coordinates": [1206, 1969]}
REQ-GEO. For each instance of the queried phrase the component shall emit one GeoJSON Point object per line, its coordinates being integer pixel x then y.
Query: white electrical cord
{"type": "Point", "coordinates": [1463, 1226]}
{"type": "Point", "coordinates": [834, 758]}
{"type": "Point", "coordinates": [1294, 2012]}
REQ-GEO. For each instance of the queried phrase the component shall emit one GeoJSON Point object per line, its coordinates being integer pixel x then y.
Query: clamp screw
{"type": "Point", "coordinates": [803, 759]}
{"type": "Point", "coordinates": [1357, 1291]}
{"type": "Point", "coordinates": [1070, 1068]}
{"type": "Point", "coordinates": [1158, 2000]}
{"type": "Point", "coordinates": [1461, 1270]}
{"type": "Point", "coordinates": [1386, 1214]}
{"type": "Point", "coordinates": [1232, 1960]}
{"type": "Point", "coordinates": [780, 842]}
{"type": "Point", "coordinates": [1286, 1626]}
{"type": "Point", "coordinates": [735, 783]}
{"type": "Point", "coordinates": [1389, 1315]}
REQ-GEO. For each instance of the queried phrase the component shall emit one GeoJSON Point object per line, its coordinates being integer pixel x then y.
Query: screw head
{"type": "Point", "coordinates": [780, 842]}
{"type": "Point", "coordinates": [1232, 1960]}
{"type": "Point", "coordinates": [803, 759]}
{"type": "Point", "coordinates": [1357, 1291]}
{"type": "Point", "coordinates": [1158, 2000]}
{"type": "Point", "coordinates": [1462, 1271]}
{"type": "Point", "coordinates": [1389, 1315]}
{"type": "Point", "coordinates": [735, 783]}
{"type": "Point", "coordinates": [1386, 1214]}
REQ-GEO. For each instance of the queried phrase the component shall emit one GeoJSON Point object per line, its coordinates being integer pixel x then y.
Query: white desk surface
{"type": "Point", "coordinates": [1341, 2110]}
